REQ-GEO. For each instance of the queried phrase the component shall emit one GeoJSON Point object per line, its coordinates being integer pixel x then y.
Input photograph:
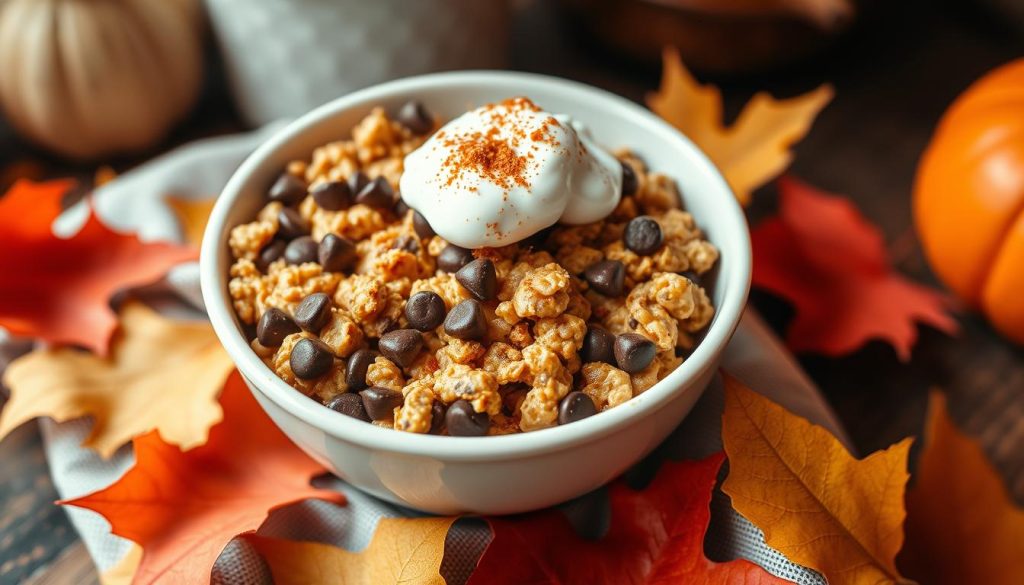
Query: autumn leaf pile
{"type": "Point", "coordinates": [210, 466]}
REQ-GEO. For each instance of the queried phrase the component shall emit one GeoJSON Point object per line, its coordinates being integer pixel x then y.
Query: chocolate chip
{"type": "Point", "coordinates": [692, 277]}
{"type": "Point", "coordinates": [300, 250]}
{"type": "Point", "coordinates": [380, 403]}
{"type": "Point", "coordinates": [463, 421]}
{"type": "Point", "coordinates": [479, 278]}
{"type": "Point", "coordinates": [634, 352]}
{"type": "Point", "coordinates": [406, 242]}
{"type": "Point", "coordinates": [349, 404]}
{"type": "Point", "coordinates": [401, 207]}
{"type": "Point", "coordinates": [437, 412]}
{"type": "Point", "coordinates": [422, 227]}
{"type": "Point", "coordinates": [332, 195]}
{"type": "Point", "coordinates": [632, 323]}
{"type": "Point", "coordinates": [643, 235]}
{"type": "Point", "coordinates": [270, 254]}
{"type": "Point", "coordinates": [401, 346]}
{"type": "Point", "coordinates": [466, 320]}
{"type": "Point", "coordinates": [355, 370]}
{"type": "Point", "coordinates": [274, 326]}
{"type": "Point", "coordinates": [415, 117]}
{"type": "Point", "coordinates": [310, 358]}
{"type": "Point", "coordinates": [336, 253]}
{"type": "Point", "coordinates": [291, 225]}
{"type": "Point", "coordinates": [377, 193]}
{"type": "Point", "coordinates": [356, 181]}
{"type": "Point", "coordinates": [629, 181]}
{"type": "Point", "coordinates": [576, 406]}
{"type": "Point", "coordinates": [452, 258]}
{"type": "Point", "coordinates": [314, 312]}
{"type": "Point", "coordinates": [597, 346]}
{"type": "Point", "coordinates": [425, 310]}
{"type": "Point", "coordinates": [287, 189]}
{"type": "Point", "coordinates": [606, 277]}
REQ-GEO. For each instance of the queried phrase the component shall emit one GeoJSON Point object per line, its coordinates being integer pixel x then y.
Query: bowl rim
{"type": "Point", "coordinates": [490, 448]}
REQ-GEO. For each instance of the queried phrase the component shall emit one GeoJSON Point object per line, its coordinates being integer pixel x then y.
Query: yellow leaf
{"type": "Point", "coordinates": [403, 550]}
{"type": "Point", "coordinates": [161, 374]}
{"type": "Point", "coordinates": [192, 217]}
{"type": "Point", "coordinates": [124, 571]}
{"type": "Point", "coordinates": [756, 148]}
{"type": "Point", "coordinates": [962, 526]}
{"type": "Point", "coordinates": [815, 502]}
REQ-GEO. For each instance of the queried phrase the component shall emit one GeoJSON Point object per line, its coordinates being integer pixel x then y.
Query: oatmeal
{"type": "Point", "coordinates": [582, 289]}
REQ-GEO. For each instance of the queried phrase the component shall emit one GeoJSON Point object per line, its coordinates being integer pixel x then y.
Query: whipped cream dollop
{"type": "Point", "coordinates": [502, 172]}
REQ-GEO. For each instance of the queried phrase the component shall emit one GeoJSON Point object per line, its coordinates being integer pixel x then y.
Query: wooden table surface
{"type": "Point", "coordinates": [894, 75]}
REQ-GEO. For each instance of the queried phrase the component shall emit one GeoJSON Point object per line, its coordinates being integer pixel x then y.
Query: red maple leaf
{"type": "Point", "coordinates": [823, 256]}
{"type": "Point", "coordinates": [59, 289]}
{"type": "Point", "coordinates": [184, 507]}
{"type": "Point", "coordinates": [656, 535]}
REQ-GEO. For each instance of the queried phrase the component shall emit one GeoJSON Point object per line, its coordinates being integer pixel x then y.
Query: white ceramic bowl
{"type": "Point", "coordinates": [503, 474]}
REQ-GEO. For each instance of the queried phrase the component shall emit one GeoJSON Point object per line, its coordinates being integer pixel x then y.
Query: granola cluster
{"type": "Point", "coordinates": [353, 300]}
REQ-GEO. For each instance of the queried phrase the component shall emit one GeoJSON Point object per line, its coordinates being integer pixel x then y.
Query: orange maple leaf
{"type": "Point", "coordinates": [656, 535]}
{"type": "Point", "coordinates": [962, 526]}
{"type": "Point", "coordinates": [824, 257]}
{"type": "Point", "coordinates": [59, 289]}
{"type": "Point", "coordinates": [184, 507]}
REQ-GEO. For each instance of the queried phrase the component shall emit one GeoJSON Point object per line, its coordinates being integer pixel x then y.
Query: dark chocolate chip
{"type": "Point", "coordinates": [629, 181]}
{"type": "Point", "coordinates": [576, 406]}
{"type": "Point", "coordinates": [632, 323]}
{"type": "Point", "coordinates": [377, 193]}
{"type": "Point", "coordinates": [634, 352]}
{"type": "Point", "coordinates": [466, 320]}
{"type": "Point", "coordinates": [643, 235]}
{"type": "Point", "coordinates": [291, 225]}
{"type": "Point", "coordinates": [480, 279]}
{"type": "Point", "coordinates": [380, 403]}
{"type": "Point", "coordinates": [356, 182]}
{"type": "Point", "coordinates": [425, 310]}
{"type": "Point", "coordinates": [314, 312]}
{"type": "Point", "coordinates": [332, 195]}
{"type": "Point", "coordinates": [287, 189]}
{"type": "Point", "coordinates": [355, 370]}
{"type": "Point", "coordinates": [452, 258]}
{"type": "Point", "coordinates": [406, 242]}
{"type": "Point", "coordinates": [300, 250]}
{"type": "Point", "coordinates": [349, 404]}
{"type": "Point", "coordinates": [270, 254]}
{"type": "Point", "coordinates": [401, 207]}
{"type": "Point", "coordinates": [415, 117]}
{"type": "Point", "coordinates": [311, 358]}
{"type": "Point", "coordinates": [606, 277]}
{"type": "Point", "coordinates": [463, 421]}
{"type": "Point", "coordinates": [422, 227]}
{"type": "Point", "coordinates": [598, 346]}
{"type": "Point", "coordinates": [274, 326]}
{"type": "Point", "coordinates": [692, 277]}
{"type": "Point", "coordinates": [336, 253]}
{"type": "Point", "coordinates": [437, 412]}
{"type": "Point", "coordinates": [401, 346]}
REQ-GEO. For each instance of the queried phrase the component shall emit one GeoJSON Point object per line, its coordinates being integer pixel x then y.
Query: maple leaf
{"type": "Point", "coordinates": [58, 289]}
{"type": "Point", "coordinates": [192, 217]}
{"type": "Point", "coordinates": [824, 257]}
{"type": "Point", "coordinates": [656, 535]}
{"type": "Point", "coordinates": [816, 503]}
{"type": "Point", "coordinates": [162, 374]}
{"type": "Point", "coordinates": [403, 550]}
{"type": "Point", "coordinates": [962, 526]}
{"type": "Point", "coordinates": [756, 148]}
{"type": "Point", "coordinates": [182, 508]}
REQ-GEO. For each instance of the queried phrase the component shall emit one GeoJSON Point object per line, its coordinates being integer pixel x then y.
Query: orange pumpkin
{"type": "Point", "coordinates": [969, 198]}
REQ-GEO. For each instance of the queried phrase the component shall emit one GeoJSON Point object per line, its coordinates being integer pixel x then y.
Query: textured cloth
{"type": "Point", "coordinates": [134, 202]}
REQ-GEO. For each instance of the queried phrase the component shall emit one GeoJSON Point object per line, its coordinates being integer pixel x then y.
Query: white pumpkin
{"type": "Point", "coordinates": [89, 78]}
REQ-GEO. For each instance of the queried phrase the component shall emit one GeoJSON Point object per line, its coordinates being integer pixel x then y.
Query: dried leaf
{"type": "Point", "coordinates": [403, 550]}
{"type": "Point", "coordinates": [656, 535]}
{"type": "Point", "coordinates": [58, 289]}
{"type": "Point", "coordinates": [816, 503]}
{"type": "Point", "coordinates": [756, 147]}
{"type": "Point", "coordinates": [182, 508]}
{"type": "Point", "coordinates": [824, 257]}
{"type": "Point", "coordinates": [962, 526]}
{"type": "Point", "coordinates": [192, 217]}
{"type": "Point", "coordinates": [161, 374]}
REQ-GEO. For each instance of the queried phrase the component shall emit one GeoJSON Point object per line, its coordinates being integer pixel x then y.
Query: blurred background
{"type": "Point", "coordinates": [108, 84]}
